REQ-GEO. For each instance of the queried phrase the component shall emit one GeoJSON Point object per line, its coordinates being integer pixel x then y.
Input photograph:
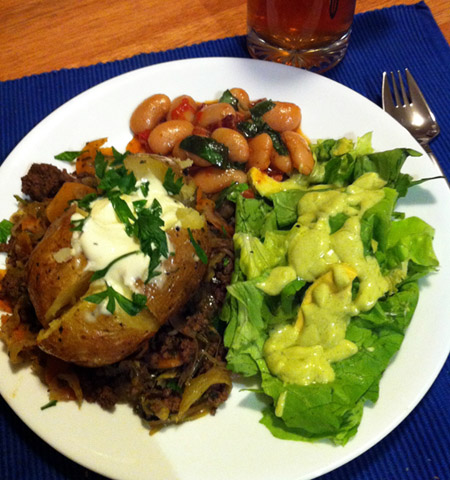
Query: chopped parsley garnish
{"type": "Point", "coordinates": [100, 164]}
{"type": "Point", "coordinates": [52, 403]}
{"type": "Point", "coordinates": [68, 156]}
{"type": "Point", "coordinates": [5, 230]}
{"type": "Point", "coordinates": [114, 178]}
{"type": "Point", "coordinates": [118, 157]}
{"type": "Point", "coordinates": [198, 249]}
{"type": "Point", "coordinates": [146, 225]}
{"type": "Point", "coordinates": [131, 307]}
{"type": "Point", "coordinates": [123, 211]}
{"type": "Point", "coordinates": [172, 186]}
{"type": "Point", "coordinates": [85, 202]}
{"type": "Point", "coordinates": [142, 222]}
{"type": "Point", "coordinates": [77, 225]}
{"type": "Point", "coordinates": [145, 188]}
{"type": "Point", "coordinates": [153, 240]}
{"type": "Point", "coordinates": [118, 179]}
{"type": "Point", "coordinates": [101, 273]}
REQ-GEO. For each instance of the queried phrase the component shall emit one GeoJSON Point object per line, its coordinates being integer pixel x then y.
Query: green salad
{"type": "Point", "coordinates": [325, 285]}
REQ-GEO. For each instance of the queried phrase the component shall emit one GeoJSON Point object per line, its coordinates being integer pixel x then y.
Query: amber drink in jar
{"type": "Point", "coordinates": [311, 34]}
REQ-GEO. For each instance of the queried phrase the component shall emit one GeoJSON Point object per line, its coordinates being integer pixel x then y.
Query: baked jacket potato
{"type": "Point", "coordinates": [80, 332]}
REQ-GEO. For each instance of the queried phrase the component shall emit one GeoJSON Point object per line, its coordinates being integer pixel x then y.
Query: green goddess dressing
{"type": "Point", "coordinates": [302, 353]}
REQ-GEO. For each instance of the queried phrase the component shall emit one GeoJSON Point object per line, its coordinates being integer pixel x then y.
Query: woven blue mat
{"type": "Point", "coordinates": [387, 39]}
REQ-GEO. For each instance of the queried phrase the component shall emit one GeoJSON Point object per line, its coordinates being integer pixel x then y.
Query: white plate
{"type": "Point", "coordinates": [232, 444]}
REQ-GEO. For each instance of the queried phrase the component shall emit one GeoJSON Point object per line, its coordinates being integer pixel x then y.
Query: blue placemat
{"type": "Point", "coordinates": [387, 39]}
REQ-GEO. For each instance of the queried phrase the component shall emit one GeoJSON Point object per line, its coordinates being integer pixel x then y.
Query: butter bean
{"type": "Point", "coordinates": [299, 151]}
{"type": "Point", "coordinates": [283, 163]}
{"type": "Point", "coordinates": [164, 136]}
{"type": "Point", "coordinates": [260, 148]}
{"type": "Point", "coordinates": [283, 117]}
{"type": "Point", "coordinates": [214, 179]}
{"type": "Point", "coordinates": [149, 113]}
{"type": "Point", "coordinates": [182, 108]}
{"type": "Point", "coordinates": [242, 97]}
{"type": "Point", "coordinates": [213, 114]}
{"type": "Point", "coordinates": [238, 149]}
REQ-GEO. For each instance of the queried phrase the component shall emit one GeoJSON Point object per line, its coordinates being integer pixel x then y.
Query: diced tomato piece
{"type": "Point", "coordinates": [183, 107]}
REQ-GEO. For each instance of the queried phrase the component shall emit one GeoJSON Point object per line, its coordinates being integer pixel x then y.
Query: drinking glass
{"type": "Point", "coordinates": [311, 34]}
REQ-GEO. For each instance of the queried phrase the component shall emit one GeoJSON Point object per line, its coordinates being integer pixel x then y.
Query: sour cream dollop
{"type": "Point", "coordinates": [103, 238]}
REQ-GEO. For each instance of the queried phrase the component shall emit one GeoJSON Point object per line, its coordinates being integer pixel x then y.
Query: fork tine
{"type": "Point", "coordinates": [402, 88]}
{"type": "Point", "coordinates": [386, 97]}
{"type": "Point", "coordinates": [417, 97]}
{"type": "Point", "coordinates": [394, 88]}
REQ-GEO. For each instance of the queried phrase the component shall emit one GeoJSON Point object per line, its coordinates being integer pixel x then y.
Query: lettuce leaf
{"type": "Point", "coordinates": [332, 410]}
{"type": "Point", "coordinates": [403, 248]}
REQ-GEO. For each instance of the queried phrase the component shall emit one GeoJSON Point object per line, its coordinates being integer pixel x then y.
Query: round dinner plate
{"type": "Point", "coordinates": [231, 444]}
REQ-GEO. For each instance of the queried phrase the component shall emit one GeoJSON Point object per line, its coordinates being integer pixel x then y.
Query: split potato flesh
{"type": "Point", "coordinates": [84, 333]}
{"type": "Point", "coordinates": [56, 278]}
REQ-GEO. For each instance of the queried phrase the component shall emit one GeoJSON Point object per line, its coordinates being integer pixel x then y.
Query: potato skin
{"type": "Point", "coordinates": [181, 275]}
{"type": "Point", "coordinates": [86, 337]}
{"type": "Point", "coordinates": [52, 284]}
{"type": "Point", "coordinates": [78, 331]}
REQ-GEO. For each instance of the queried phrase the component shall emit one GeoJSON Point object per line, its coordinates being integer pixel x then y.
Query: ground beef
{"type": "Point", "coordinates": [43, 181]}
{"type": "Point", "coordinates": [13, 285]}
{"type": "Point", "coordinates": [190, 339]}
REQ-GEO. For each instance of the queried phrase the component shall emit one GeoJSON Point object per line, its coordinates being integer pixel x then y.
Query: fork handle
{"type": "Point", "coordinates": [430, 153]}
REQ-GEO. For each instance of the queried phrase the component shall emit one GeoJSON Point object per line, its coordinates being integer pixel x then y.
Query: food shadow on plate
{"type": "Point", "coordinates": [249, 387]}
{"type": "Point", "coordinates": [419, 195]}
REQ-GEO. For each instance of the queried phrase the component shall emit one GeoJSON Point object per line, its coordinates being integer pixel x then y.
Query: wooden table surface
{"type": "Point", "coordinates": [40, 36]}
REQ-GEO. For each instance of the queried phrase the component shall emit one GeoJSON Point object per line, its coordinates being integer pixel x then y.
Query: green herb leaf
{"type": "Point", "coordinates": [207, 148]}
{"type": "Point", "coordinates": [118, 179]}
{"type": "Point", "coordinates": [227, 97]}
{"type": "Point", "coordinates": [249, 129]}
{"type": "Point", "coordinates": [147, 229]}
{"type": "Point", "coordinates": [121, 208]}
{"type": "Point", "coordinates": [52, 403]}
{"type": "Point", "coordinates": [77, 225]}
{"type": "Point", "coordinates": [257, 125]}
{"type": "Point", "coordinates": [5, 230]}
{"type": "Point", "coordinates": [101, 273]}
{"type": "Point", "coordinates": [261, 108]}
{"type": "Point", "coordinates": [278, 144]}
{"type": "Point", "coordinates": [100, 165]}
{"type": "Point", "coordinates": [68, 156]}
{"type": "Point", "coordinates": [118, 157]}
{"type": "Point", "coordinates": [231, 193]}
{"type": "Point", "coordinates": [198, 249]}
{"type": "Point", "coordinates": [97, 298]}
{"type": "Point", "coordinates": [139, 205]}
{"type": "Point", "coordinates": [173, 385]}
{"type": "Point", "coordinates": [85, 202]}
{"type": "Point", "coordinates": [145, 187]}
{"type": "Point", "coordinates": [171, 185]}
{"type": "Point", "coordinates": [131, 307]}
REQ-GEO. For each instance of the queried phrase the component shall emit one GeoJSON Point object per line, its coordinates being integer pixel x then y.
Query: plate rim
{"type": "Point", "coordinates": [180, 63]}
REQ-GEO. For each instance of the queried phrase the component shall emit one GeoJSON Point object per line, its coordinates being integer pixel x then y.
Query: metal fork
{"type": "Point", "coordinates": [412, 112]}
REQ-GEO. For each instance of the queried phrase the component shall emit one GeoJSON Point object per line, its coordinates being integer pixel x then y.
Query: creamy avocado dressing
{"type": "Point", "coordinates": [103, 238]}
{"type": "Point", "coordinates": [302, 353]}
